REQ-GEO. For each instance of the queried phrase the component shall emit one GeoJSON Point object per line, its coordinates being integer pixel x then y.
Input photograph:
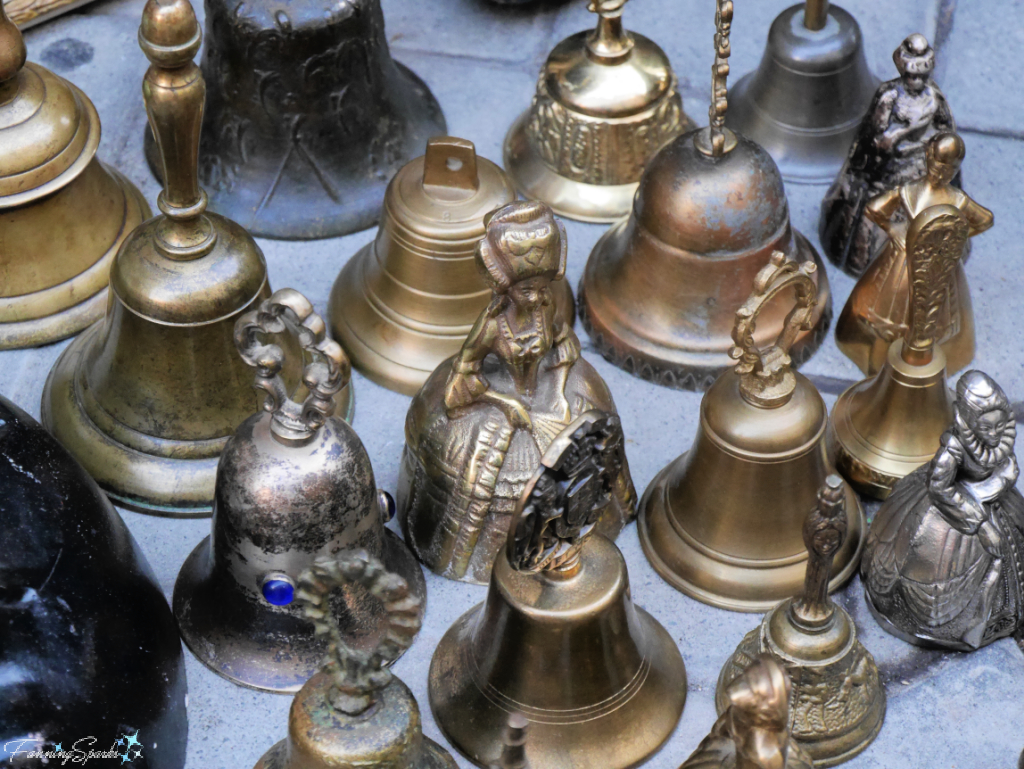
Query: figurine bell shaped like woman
{"type": "Point", "coordinates": [944, 560]}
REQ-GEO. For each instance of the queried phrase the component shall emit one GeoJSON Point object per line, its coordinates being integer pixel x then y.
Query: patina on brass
{"type": "Point", "coordinates": [294, 484]}
{"type": "Point", "coordinates": [147, 398]}
{"type": "Point", "coordinates": [558, 639]}
{"type": "Point", "coordinates": [660, 291]}
{"type": "Point", "coordinates": [723, 522]}
{"type": "Point", "coordinates": [408, 300]}
{"type": "Point", "coordinates": [753, 730]}
{"type": "Point", "coordinates": [606, 102]}
{"type": "Point", "coordinates": [838, 703]}
{"type": "Point", "coordinates": [805, 101]}
{"type": "Point", "coordinates": [476, 431]}
{"type": "Point", "coordinates": [944, 560]}
{"type": "Point", "coordinates": [355, 712]}
{"type": "Point", "coordinates": [876, 313]}
{"type": "Point", "coordinates": [63, 213]}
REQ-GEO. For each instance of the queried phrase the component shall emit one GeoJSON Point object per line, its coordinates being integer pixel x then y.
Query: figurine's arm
{"type": "Point", "coordinates": [962, 511]}
{"type": "Point", "coordinates": [978, 217]}
{"type": "Point", "coordinates": [887, 133]}
{"type": "Point", "coordinates": [881, 208]}
{"type": "Point", "coordinates": [567, 345]}
{"type": "Point", "coordinates": [943, 118]}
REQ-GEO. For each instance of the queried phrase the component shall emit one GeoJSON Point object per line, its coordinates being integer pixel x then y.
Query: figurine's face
{"type": "Point", "coordinates": [914, 83]}
{"type": "Point", "coordinates": [989, 427]}
{"type": "Point", "coordinates": [531, 294]}
{"type": "Point", "coordinates": [940, 173]}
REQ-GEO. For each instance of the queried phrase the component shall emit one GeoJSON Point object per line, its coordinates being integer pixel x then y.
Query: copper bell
{"type": "Point", "coordinates": [838, 703]}
{"type": "Point", "coordinates": [558, 639]}
{"type": "Point", "coordinates": [63, 213]}
{"type": "Point", "coordinates": [660, 290]}
{"type": "Point", "coordinates": [147, 398]}
{"type": "Point", "coordinates": [606, 102]}
{"type": "Point", "coordinates": [408, 300]}
{"type": "Point", "coordinates": [806, 99]}
{"type": "Point", "coordinates": [723, 522]}
{"type": "Point", "coordinates": [294, 484]}
{"type": "Point", "coordinates": [308, 116]}
{"type": "Point", "coordinates": [355, 712]}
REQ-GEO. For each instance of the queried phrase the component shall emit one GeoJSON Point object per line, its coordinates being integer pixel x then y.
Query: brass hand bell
{"type": "Point", "coordinates": [558, 639]}
{"type": "Point", "coordinates": [355, 712]}
{"type": "Point", "coordinates": [660, 290]}
{"type": "Point", "coordinates": [63, 213]}
{"type": "Point", "coordinates": [147, 398]}
{"type": "Point", "coordinates": [838, 703]}
{"type": "Point", "coordinates": [294, 484]}
{"type": "Point", "coordinates": [723, 522]}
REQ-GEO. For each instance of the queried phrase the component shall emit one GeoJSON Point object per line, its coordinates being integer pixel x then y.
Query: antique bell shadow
{"type": "Point", "coordinates": [558, 638]}
{"type": "Point", "coordinates": [307, 117]}
{"type": "Point", "coordinates": [294, 483]}
{"type": "Point", "coordinates": [723, 522]}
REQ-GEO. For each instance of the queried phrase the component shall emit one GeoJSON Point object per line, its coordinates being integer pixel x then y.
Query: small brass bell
{"type": "Point", "coordinates": [355, 712]}
{"type": "Point", "coordinates": [606, 102]}
{"type": "Point", "coordinates": [294, 484]}
{"type": "Point", "coordinates": [63, 213]}
{"type": "Point", "coordinates": [147, 398]}
{"type": "Point", "coordinates": [805, 101]}
{"type": "Point", "coordinates": [838, 702]}
{"type": "Point", "coordinates": [408, 300]}
{"type": "Point", "coordinates": [660, 290]}
{"type": "Point", "coordinates": [723, 522]}
{"type": "Point", "coordinates": [558, 639]}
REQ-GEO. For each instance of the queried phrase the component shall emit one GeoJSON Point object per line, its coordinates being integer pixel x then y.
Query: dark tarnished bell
{"type": "Point", "coordinates": [660, 290]}
{"type": "Point", "coordinates": [308, 116]}
{"type": "Point", "coordinates": [87, 643]}
{"type": "Point", "coordinates": [355, 712]}
{"type": "Point", "coordinates": [294, 484]}
{"type": "Point", "coordinates": [558, 639]}
{"type": "Point", "coordinates": [63, 213]}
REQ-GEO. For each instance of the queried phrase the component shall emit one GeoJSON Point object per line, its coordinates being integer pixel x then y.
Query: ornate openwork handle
{"type": "Point", "coordinates": [766, 377]}
{"type": "Point", "coordinates": [288, 311]}
{"type": "Point", "coordinates": [824, 533]}
{"type": "Point", "coordinates": [716, 139]}
{"type": "Point", "coordinates": [358, 674]}
{"type": "Point", "coordinates": [609, 40]}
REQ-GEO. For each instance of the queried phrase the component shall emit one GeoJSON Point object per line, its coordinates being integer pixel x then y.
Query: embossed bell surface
{"type": "Point", "coordinates": [944, 560]}
{"type": "Point", "coordinates": [355, 712]}
{"type": "Point", "coordinates": [294, 484]}
{"type": "Point", "coordinates": [408, 300]}
{"type": "Point", "coordinates": [838, 703]}
{"type": "Point", "coordinates": [87, 643]}
{"type": "Point", "coordinates": [307, 118]}
{"type": "Point", "coordinates": [63, 213]}
{"type": "Point", "coordinates": [606, 102]}
{"type": "Point", "coordinates": [660, 290]}
{"type": "Point", "coordinates": [147, 398]}
{"type": "Point", "coordinates": [723, 522]}
{"type": "Point", "coordinates": [477, 429]}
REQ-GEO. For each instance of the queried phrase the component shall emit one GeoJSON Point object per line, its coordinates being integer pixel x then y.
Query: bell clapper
{"type": "Point", "coordinates": [716, 140]}
{"type": "Point", "coordinates": [513, 739]}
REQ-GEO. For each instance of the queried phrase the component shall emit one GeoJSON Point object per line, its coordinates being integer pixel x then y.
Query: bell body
{"type": "Point", "coordinates": [599, 680]}
{"type": "Point", "coordinates": [723, 522]}
{"type": "Point", "coordinates": [805, 101]}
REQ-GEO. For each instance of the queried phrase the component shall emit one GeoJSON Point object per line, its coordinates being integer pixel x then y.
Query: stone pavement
{"type": "Point", "coordinates": [945, 710]}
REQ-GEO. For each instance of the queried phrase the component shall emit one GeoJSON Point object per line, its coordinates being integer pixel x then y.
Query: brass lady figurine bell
{"type": "Point", "coordinates": [558, 639]}
{"type": "Point", "coordinates": [478, 427]}
{"type": "Point", "coordinates": [838, 702]}
{"type": "Point", "coordinates": [294, 484]}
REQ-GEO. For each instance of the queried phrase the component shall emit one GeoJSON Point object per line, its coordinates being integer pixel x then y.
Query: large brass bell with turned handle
{"type": "Point", "coordinates": [723, 522]}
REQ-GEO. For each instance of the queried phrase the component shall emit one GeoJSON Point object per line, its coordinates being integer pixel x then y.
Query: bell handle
{"type": "Point", "coordinates": [12, 56]}
{"type": "Point", "coordinates": [358, 674]}
{"type": "Point", "coordinates": [449, 165]}
{"type": "Point", "coordinates": [815, 14]}
{"type": "Point", "coordinates": [609, 40]}
{"type": "Point", "coordinates": [716, 140]}
{"type": "Point", "coordinates": [824, 533]}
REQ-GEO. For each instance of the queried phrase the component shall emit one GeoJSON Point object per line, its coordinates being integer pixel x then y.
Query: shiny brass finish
{"type": "Point", "coordinates": [606, 102]}
{"type": "Point", "coordinates": [354, 712]}
{"type": "Point", "coordinates": [482, 421]}
{"type": "Point", "coordinates": [876, 314]}
{"type": "Point", "coordinates": [147, 399]}
{"type": "Point", "coordinates": [63, 213]}
{"type": "Point", "coordinates": [944, 561]}
{"type": "Point", "coordinates": [838, 703]}
{"type": "Point", "coordinates": [408, 300]}
{"type": "Point", "coordinates": [294, 484]}
{"type": "Point", "coordinates": [660, 291]}
{"type": "Point", "coordinates": [558, 639]}
{"type": "Point", "coordinates": [723, 522]}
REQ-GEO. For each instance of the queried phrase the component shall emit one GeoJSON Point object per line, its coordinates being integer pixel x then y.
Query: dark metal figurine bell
{"type": "Point", "coordinates": [558, 639]}
{"type": "Point", "coordinates": [294, 484]}
{"type": "Point", "coordinates": [88, 646]}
